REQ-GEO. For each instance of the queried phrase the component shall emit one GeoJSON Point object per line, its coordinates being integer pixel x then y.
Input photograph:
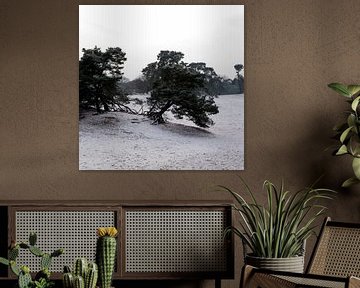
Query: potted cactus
{"type": "Point", "coordinates": [84, 275]}
{"type": "Point", "coordinates": [42, 278]}
{"type": "Point", "coordinates": [106, 254]}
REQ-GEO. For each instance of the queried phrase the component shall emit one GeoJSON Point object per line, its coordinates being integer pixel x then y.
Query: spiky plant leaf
{"type": "Point", "coordinates": [279, 228]}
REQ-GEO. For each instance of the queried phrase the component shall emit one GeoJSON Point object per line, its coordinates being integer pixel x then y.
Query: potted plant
{"type": "Point", "coordinates": [348, 132]}
{"type": "Point", "coordinates": [276, 233]}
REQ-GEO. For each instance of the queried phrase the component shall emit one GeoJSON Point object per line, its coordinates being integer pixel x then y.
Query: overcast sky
{"type": "Point", "coordinates": [213, 34]}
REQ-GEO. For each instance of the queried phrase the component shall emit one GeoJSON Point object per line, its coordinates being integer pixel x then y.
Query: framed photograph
{"type": "Point", "coordinates": [161, 87]}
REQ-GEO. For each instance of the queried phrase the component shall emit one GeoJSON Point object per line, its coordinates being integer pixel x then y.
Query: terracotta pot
{"type": "Point", "coordinates": [291, 264]}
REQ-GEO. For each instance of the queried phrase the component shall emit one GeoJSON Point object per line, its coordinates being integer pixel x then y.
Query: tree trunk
{"type": "Point", "coordinates": [157, 116]}
{"type": "Point", "coordinates": [97, 104]}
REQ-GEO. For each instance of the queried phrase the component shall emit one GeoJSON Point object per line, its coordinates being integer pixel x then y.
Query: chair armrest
{"type": "Point", "coordinates": [354, 282]}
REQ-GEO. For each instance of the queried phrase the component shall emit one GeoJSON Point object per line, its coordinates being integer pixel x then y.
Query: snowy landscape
{"type": "Point", "coordinates": [122, 141]}
{"type": "Point", "coordinates": [161, 87]}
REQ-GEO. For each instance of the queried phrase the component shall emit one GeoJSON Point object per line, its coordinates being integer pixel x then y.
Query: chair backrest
{"type": "Point", "coordinates": [337, 251]}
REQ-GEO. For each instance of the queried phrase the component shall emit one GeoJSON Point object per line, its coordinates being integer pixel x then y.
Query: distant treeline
{"type": "Point", "coordinates": [220, 85]}
{"type": "Point", "coordinates": [185, 89]}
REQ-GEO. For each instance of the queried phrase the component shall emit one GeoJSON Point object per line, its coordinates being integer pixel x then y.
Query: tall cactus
{"type": "Point", "coordinates": [106, 254]}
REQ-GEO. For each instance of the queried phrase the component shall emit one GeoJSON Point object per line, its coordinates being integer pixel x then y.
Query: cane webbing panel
{"type": "Point", "coordinates": [313, 282]}
{"type": "Point", "coordinates": [75, 231]}
{"type": "Point", "coordinates": [175, 241]}
{"type": "Point", "coordinates": [338, 252]}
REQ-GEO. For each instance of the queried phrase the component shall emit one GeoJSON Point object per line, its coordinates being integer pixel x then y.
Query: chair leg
{"type": "Point", "coordinates": [246, 273]}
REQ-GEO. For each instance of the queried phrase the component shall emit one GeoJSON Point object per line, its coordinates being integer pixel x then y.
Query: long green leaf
{"type": "Point", "coordinates": [340, 88]}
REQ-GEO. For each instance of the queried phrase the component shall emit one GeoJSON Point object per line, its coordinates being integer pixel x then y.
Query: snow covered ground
{"type": "Point", "coordinates": [121, 141]}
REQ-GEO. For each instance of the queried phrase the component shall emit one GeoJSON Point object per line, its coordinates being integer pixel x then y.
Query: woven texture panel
{"type": "Point", "coordinates": [338, 253]}
{"type": "Point", "coordinates": [175, 241]}
{"type": "Point", "coordinates": [75, 231]}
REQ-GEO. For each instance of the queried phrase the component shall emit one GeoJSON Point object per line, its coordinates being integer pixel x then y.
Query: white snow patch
{"type": "Point", "coordinates": [121, 141]}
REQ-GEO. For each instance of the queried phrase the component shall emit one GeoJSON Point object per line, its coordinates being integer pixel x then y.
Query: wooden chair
{"type": "Point", "coordinates": [334, 263]}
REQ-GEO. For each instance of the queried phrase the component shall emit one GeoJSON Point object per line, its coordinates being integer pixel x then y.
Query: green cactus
{"type": "Point", "coordinates": [87, 272]}
{"type": "Point", "coordinates": [45, 261]}
{"type": "Point", "coordinates": [79, 282]}
{"type": "Point", "coordinates": [57, 252]}
{"type": "Point", "coordinates": [42, 278]}
{"type": "Point", "coordinates": [24, 280]}
{"type": "Point", "coordinates": [105, 258]}
{"type": "Point", "coordinates": [4, 261]}
{"type": "Point", "coordinates": [24, 245]}
{"type": "Point", "coordinates": [67, 269]}
{"type": "Point", "coordinates": [80, 267]}
{"type": "Point", "coordinates": [13, 253]}
{"type": "Point", "coordinates": [36, 251]}
{"type": "Point", "coordinates": [91, 276]}
{"type": "Point", "coordinates": [32, 238]}
{"type": "Point", "coordinates": [68, 280]}
{"type": "Point", "coordinates": [14, 268]}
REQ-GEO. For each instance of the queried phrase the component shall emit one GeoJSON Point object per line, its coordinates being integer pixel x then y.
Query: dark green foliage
{"type": "Point", "coordinates": [105, 258]}
{"type": "Point", "coordinates": [180, 87]}
{"type": "Point", "coordinates": [99, 73]}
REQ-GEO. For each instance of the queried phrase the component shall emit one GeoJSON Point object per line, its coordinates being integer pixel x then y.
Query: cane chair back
{"type": "Point", "coordinates": [337, 252]}
{"type": "Point", "coordinates": [335, 262]}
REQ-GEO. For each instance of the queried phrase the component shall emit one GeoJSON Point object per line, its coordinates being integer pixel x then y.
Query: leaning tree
{"type": "Point", "coordinates": [99, 75]}
{"type": "Point", "coordinates": [181, 88]}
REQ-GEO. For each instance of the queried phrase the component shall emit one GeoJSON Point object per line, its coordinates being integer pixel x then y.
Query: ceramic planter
{"type": "Point", "coordinates": [291, 264]}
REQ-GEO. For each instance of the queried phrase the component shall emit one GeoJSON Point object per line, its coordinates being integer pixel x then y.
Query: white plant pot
{"type": "Point", "coordinates": [291, 264]}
